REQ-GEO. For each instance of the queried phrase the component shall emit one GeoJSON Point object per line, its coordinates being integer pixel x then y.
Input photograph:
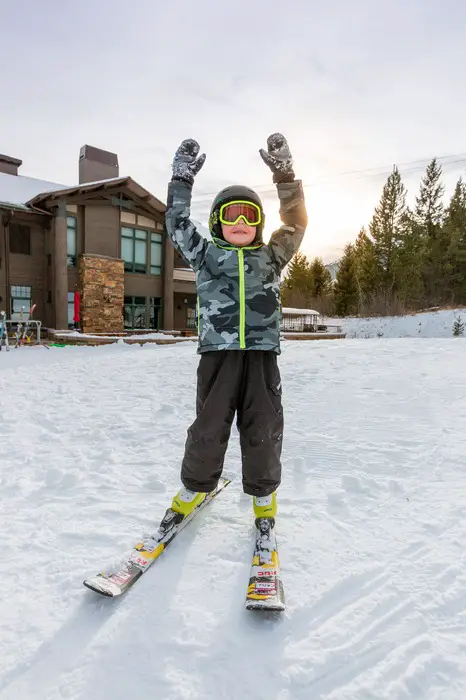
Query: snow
{"type": "Point", "coordinates": [430, 324]}
{"type": "Point", "coordinates": [16, 189]}
{"type": "Point", "coordinates": [371, 529]}
{"type": "Point", "coordinates": [299, 312]}
{"type": "Point", "coordinates": [150, 335]}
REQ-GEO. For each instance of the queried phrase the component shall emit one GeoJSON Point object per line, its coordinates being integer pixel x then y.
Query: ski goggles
{"type": "Point", "coordinates": [231, 212]}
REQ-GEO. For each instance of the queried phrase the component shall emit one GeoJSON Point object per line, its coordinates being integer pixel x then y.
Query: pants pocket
{"type": "Point", "coordinates": [274, 384]}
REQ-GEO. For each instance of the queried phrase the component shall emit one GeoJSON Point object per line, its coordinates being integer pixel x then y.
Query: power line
{"type": "Point", "coordinates": [357, 174]}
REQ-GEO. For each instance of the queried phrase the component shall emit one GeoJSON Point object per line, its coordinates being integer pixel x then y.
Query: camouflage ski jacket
{"type": "Point", "coordinates": [238, 288]}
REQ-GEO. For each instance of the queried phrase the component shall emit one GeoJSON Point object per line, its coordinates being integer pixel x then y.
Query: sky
{"type": "Point", "coordinates": [355, 87]}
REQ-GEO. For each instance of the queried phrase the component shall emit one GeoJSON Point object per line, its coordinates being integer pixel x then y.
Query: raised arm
{"type": "Point", "coordinates": [183, 233]}
{"type": "Point", "coordinates": [285, 242]}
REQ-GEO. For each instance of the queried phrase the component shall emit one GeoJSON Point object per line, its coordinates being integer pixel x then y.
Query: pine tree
{"type": "Point", "coordinates": [388, 228]}
{"type": "Point", "coordinates": [429, 205]}
{"type": "Point", "coordinates": [455, 232]}
{"type": "Point", "coordinates": [345, 290]}
{"type": "Point", "coordinates": [366, 271]}
{"type": "Point", "coordinates": [428, 221]}
{"type": "Point", "coordinates": [409, 265]}
{"type": "Point", "coordinates": [458, 327]}
{"type": "Point", "coordinates": [297, 286]}
{"type": "Point", "coordinates": [321, 278]}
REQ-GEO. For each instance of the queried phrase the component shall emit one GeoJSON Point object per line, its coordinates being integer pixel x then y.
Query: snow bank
{"type": "Point", "coordinates": [433, 324]}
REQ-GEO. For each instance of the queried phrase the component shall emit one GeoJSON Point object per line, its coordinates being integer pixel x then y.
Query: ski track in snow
{"type": "Point", "coordinates": [371, 529]}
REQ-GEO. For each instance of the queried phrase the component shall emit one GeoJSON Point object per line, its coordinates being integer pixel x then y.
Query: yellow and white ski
{"type": "Point", "coordinates": [115, 582]}
{"type": "Point", "coordinates": [265, 589]}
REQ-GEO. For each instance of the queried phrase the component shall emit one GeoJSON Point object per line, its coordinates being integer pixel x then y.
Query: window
{"type": "Point", "coordinates": [155, 313]}
{"type": "Point", "coordinates": [20, 239]}
{"type": "Point", "coordinates": [135, 312]}
{"type": "Point", "coordinates": [71, 240]}
{"type": "Point", "coordinates": [20, 302]}
{"type": "Point", "coordinates": [141, 249]}
{"type": "Point", "coordinates": [134, 249]}
{"type": "Point", "coordinates": [155, 254]}
{"type": "Point", "coordinates": [191, 317]}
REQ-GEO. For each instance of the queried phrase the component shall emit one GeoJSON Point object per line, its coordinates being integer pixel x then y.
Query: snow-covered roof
{"type": "Point", "coordinates": [17, 190]}
{"type": "Point", "coordinates": [300, 312]}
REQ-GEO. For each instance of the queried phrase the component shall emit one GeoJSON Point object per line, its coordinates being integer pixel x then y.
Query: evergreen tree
{"type": "Point", "coordinates": [345, 291]}
{"type": "Point", "coordinates": [409, 265]}
{"type": "Point", "coordinates": [321, 279]}
{"type": "Point", "coordinates": [366, 271]}
{"type": "Point", "coordinates": [429, 205]}
{"type": "Point", "coordinates": [455, 232]}
{"type": "Point", "coordinates": [458, 326]}
{"type": "Point", "coordinates": [428, 221]}
{"type": "Point", "coordinates": [297, 287]}
{"type": "Point", "coordinates": [388, 228]}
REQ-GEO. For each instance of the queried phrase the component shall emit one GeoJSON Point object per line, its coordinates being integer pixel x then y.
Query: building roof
{"type": "Point", "coordinates": [16, 190]}
{"type": "Point", "coordinates": [131, 187]}
{"type": "Point", "coordinates": [27, 193]}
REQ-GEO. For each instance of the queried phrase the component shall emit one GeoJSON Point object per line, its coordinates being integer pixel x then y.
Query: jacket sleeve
{"type": "Point", "coordinates": [285, 242]}
{"type": "Point", "coordinates": [183, 233]}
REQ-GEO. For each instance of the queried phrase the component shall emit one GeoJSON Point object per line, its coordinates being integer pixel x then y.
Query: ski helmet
{"type": "Point", "coordinates": [230, 194]}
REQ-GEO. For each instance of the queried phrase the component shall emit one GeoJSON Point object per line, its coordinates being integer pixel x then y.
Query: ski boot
{"type": "Point", "coordinates": [265, 506]}
{"type": "Point", "coordinates": [186, 501]}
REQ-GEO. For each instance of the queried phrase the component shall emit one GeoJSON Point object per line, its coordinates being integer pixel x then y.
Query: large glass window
{"type": "Point", "coordinates": [191, 317]}
{"type": "Point", "coordinates": [135, 312]}
{"type": "Point", "coordinates": [156, 254]}
{"type": "Point", "coordinates": [141, 250]}
{"type": "Point", "coordinates": [134, 249]}
{"type": "Point", "coordinates": [155, 313]}
{"type": "Point", "coordinates": [71, 240]}
{"type": "Point", "coordinates": [140, 316]}
{"type": "Point", "coordinates": [20, 302]}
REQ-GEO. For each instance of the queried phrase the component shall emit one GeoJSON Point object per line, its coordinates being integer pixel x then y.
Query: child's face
{"type": "Point", "coordinates": [239, 234]}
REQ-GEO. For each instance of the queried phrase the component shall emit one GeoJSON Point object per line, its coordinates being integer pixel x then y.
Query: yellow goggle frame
{"type": "Point", "coordinates": [256, 222]}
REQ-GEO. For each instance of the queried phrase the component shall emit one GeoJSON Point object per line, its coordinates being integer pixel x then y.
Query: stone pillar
{"type": "Point", "coordinates": [168, 286]}
{"type": "Point", "coordinates": [60, 295]}
{"type": "Point", "coordinates": [102, 283]}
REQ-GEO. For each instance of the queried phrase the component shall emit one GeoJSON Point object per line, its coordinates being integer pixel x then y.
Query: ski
{"type": "Point", "coordinates": [117, 581]}
{"type": "Point", "coordinates": [265, 588]}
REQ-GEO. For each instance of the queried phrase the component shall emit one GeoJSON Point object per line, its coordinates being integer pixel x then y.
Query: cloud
{"type": "Point", "coordinates": [352, 85]}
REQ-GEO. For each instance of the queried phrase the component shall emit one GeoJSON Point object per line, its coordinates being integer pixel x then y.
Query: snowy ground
{"type": "Point", "coordinates": [431, 324]}
{"type": "Point", "coordinates": [371, 526]}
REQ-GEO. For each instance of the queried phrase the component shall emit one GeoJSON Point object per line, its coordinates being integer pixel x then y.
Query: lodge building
{"type": "Point", "coordinates": [104, 237]}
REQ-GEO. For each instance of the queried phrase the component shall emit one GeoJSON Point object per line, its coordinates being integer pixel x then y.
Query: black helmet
{"type": "Point", "coordinates": [230, 194]}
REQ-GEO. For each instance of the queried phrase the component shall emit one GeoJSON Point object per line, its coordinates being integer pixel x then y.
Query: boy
{"type": "Point", "coordinates": [238, 288]}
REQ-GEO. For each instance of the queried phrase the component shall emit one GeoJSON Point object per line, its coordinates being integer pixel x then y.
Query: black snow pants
{"type": "Point", "coordinates": [246, 383]}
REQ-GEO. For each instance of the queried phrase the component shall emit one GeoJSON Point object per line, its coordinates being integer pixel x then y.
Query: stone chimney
{"type": "Point", "coordinates": [9, 165]}
{"type": "Point", "coordinates": [96, 164]}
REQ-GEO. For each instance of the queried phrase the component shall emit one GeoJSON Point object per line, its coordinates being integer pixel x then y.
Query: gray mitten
{"type": "Point", "coordinates": [278, 158]}
{"type": "Point", "coordinates": [186, 164]}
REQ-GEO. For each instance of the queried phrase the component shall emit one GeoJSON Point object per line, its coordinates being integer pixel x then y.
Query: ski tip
{"type": "Point", "coordinates": [99, 584]}
{"type": "Point", "coordinates": [265, 606]}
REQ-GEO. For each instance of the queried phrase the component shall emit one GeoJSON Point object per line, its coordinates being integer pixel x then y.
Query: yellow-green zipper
{"type": "Point", "coordinates": [242, 300]}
